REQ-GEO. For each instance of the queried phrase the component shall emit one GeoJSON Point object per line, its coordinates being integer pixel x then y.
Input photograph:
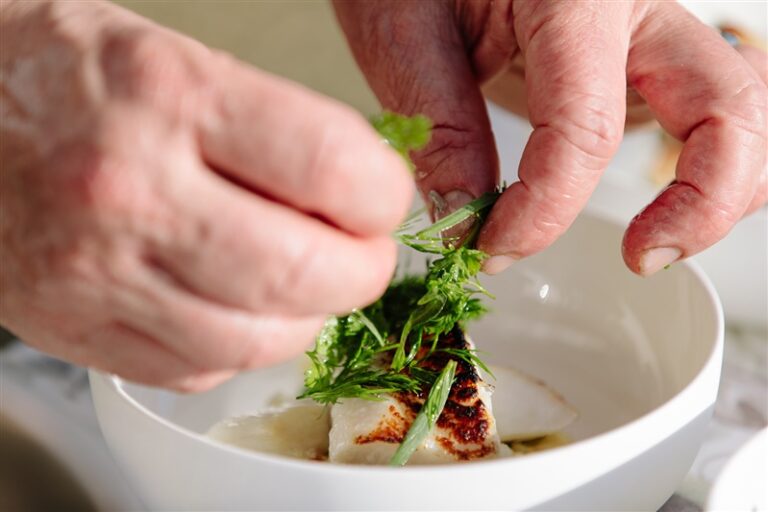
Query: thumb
{"type": "Point", "coordinates": [416, 63]}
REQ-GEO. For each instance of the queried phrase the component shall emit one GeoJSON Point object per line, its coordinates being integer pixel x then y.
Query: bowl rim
{"type": "Point", "coordinates": [614, 446]}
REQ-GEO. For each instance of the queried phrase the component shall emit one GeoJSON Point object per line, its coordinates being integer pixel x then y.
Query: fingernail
{"type": "Point", "coordinates": [497, 264]}
{"type": "Point", "coordinates": [439, 204]}
{"type": "Point", "coordinates": [455, 199]}
{"type": "Point", "coordinates": [445, 205]}
{"type": "Point", "coordinates": [654, 260]}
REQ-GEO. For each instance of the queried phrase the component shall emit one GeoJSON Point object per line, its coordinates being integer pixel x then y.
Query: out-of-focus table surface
{"type": "Point", "coordinates": [49, 400]}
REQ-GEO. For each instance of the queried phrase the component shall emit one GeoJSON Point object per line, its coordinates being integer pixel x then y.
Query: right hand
{"type": "Point", "coordinates": [171, 215]}
{"type": "Point", "coordinates": [567, 65]}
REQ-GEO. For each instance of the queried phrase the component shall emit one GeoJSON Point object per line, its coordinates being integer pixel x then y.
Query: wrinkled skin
{"type": "Point", "coordinates": [568, 66]}
{"type": "Point", "coordinates": [172, 215]}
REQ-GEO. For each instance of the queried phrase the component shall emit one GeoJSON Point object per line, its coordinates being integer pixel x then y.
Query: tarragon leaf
{"type": "Point", "coordinates": [427, 417]}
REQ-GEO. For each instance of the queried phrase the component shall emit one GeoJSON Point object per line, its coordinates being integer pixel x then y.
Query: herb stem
{"type": "Point", "coordinates": [427, 417]}
{"type": "Point", "coordinates": [474, 207]}
{"type": "Point", "coordinates": [369, 325]}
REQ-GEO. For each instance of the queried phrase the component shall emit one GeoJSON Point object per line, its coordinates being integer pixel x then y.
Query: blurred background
{"type": "Point", "coordinates": [52, 454]}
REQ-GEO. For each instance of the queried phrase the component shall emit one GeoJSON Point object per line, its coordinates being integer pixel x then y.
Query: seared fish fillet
{"type": "Point", "coordinates": [369, 432]}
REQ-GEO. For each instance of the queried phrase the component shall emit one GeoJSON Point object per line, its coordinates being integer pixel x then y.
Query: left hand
{"type": "Point", "coordinates": [172, 215]}
{"type": "Point", "coordinates": [578, 59]}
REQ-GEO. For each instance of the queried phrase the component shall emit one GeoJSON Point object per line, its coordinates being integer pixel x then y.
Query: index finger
{"type": "Point", "coordinates": [300, 148]}
{"type": "Point", "coordinates": [416, 63]}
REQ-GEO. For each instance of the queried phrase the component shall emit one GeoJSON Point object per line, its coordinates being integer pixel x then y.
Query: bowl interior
{"type": "Point", "coordinates": [615, 345]}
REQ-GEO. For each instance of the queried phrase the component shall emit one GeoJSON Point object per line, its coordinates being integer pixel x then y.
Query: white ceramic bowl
{"type": "Point", "coordinates": [736, 264]}
{"type": "Point", "coordinates": [639, 358]}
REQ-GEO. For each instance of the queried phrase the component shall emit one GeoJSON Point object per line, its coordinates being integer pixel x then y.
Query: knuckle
{"type": "Point", "coordinates": [304, 272]}
{"type": "Point", "coordinates": [96, 189]}
{"type": "Point", "coordinates": [724, 215]}
{"type": "Point", "coordinates": [685, 199]}
{"type": "Point", "coordinates": [257, 356]}
{"type": "Point", "coordinates": [299, 267]}
{"type": "Point", "coordinates": [144, 63]}
{"type": "Point", "coordinates": [546, 229]}
{"type": "Point", "coordinates": [370, 270]}
{"type": "Point", "coordinates": [279, 339]}
{"type": "Point", "coordinates": [257, 348]}
{"type": "Point", "coordinates": [220, 358]}
{"type": "Point", "coordinates": [326, 162]}
{"type": "Point", "coordinates": [330, 161]}
{"type": "Point", "coordinates": [531, 19]}
{"type": "Point", "coordinates": [91, 179]}
{"type": "Point", "coordinates": [399, 203]}
{"type": "Point", "coordinates": [379, 272]}
{"type": "Point", "coordinates": [590, 127]}
{"type": "Point", "coordinates": [89, 225]}
{"type": "Point", "coordinates": [445, 142]}
{"type": "Point", "coordinates": [70, 260]}
{"type": "Point", "coordinates": [381, 192]}
{"type": "Point", "coordinates": [748, 108]}
{"type": "Point", "coordinates": [93, 187]}
{"type": "Point", "coordinates": [263, 353]}
{"type": "Point", "coordinates": [51, 264]}
{"type": "Point", "coordinates": [549, 225]}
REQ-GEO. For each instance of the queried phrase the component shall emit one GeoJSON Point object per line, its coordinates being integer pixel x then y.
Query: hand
{"type": "Point", "coordinates": [171, 215]}
{"type": "Point", "coordinates": [578, 59]}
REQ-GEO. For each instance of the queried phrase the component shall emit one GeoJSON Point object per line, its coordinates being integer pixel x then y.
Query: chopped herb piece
{"type": "Point", "coordinates": [427, 417]}
{"type": "Point", "coordinates": [404, 134]}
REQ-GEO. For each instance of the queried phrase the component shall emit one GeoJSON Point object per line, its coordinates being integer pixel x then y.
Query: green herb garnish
{"type": "Point", "coordinates": [429, 239]}
{"type": "Point", "coordinates": [377, 350]}
{"type": "Point", "coordinates": [404, 134]}
{"type": "Point", "coordinates": [427, 417]}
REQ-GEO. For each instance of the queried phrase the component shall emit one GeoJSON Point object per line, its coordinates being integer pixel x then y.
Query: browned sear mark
{"type": "Point", "coordinates": [465, 420]}
{"type": "Point", "coordinates": [390, 429]}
